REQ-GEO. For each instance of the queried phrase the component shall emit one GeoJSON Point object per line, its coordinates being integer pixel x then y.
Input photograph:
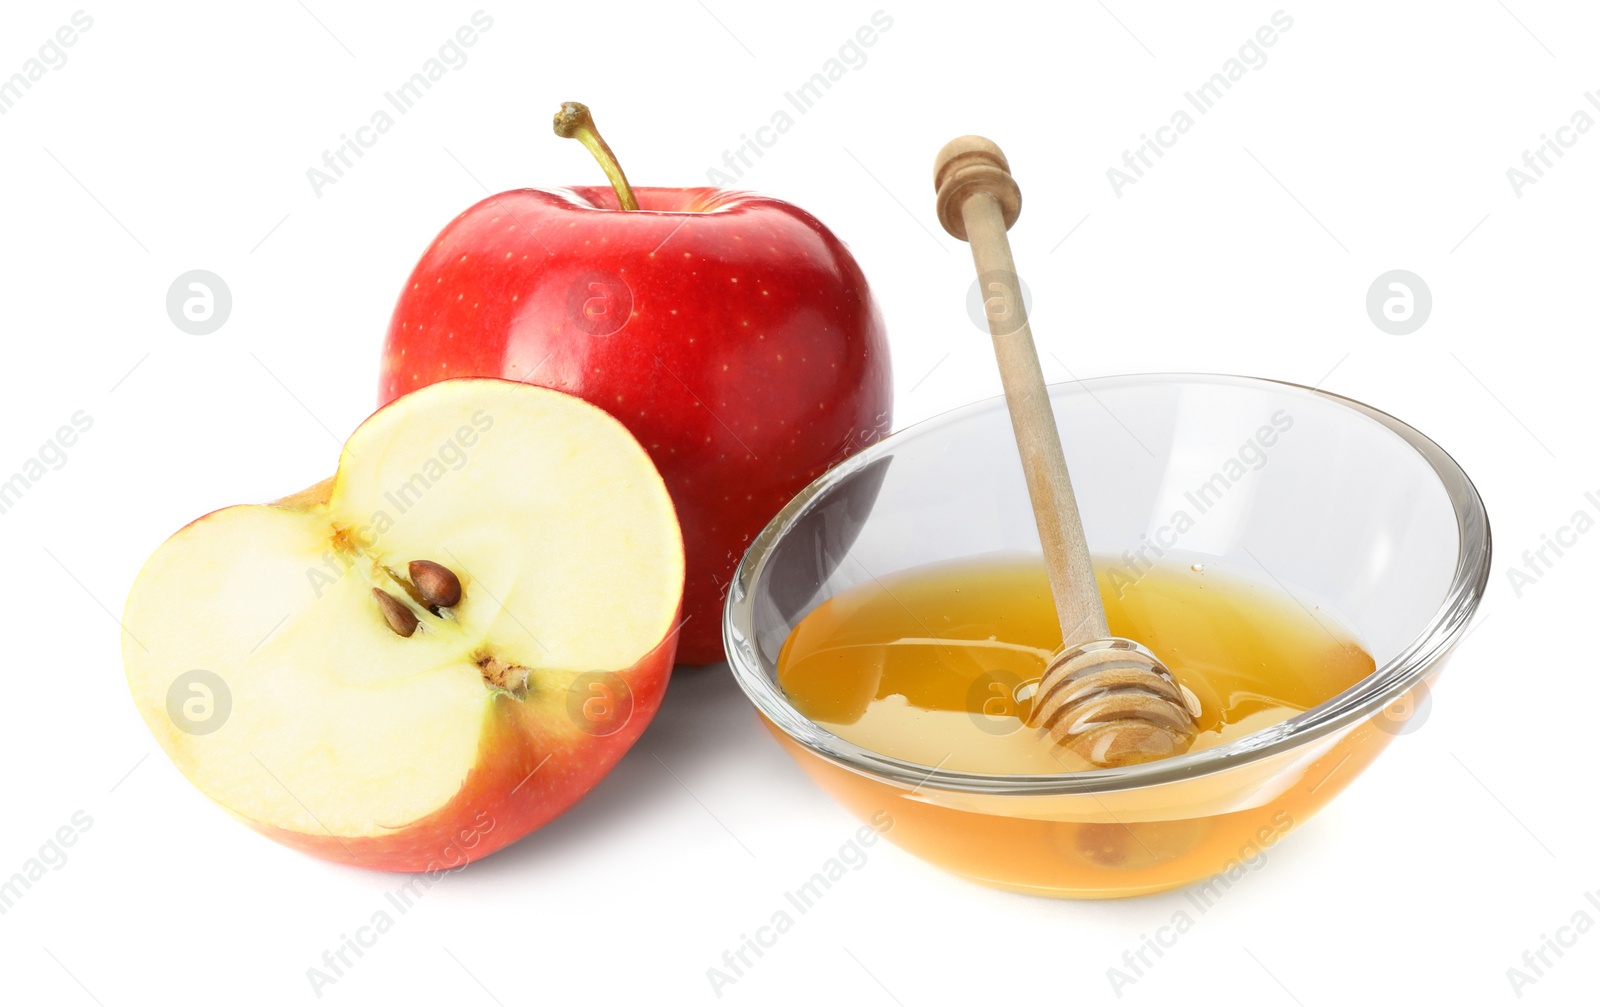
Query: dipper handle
{"type": "Point", "coordinates": [978, 202]}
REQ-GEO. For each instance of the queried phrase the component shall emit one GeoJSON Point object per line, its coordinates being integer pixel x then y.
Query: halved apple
{"type": "Point", "coordinates": [431, 654]}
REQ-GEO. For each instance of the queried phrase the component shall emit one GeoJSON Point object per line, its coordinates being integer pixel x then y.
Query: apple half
{"type": "Point", "coordinates": [306, 665]}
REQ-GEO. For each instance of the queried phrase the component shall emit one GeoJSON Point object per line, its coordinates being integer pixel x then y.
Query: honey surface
{"type": "Point", "coordinates": [937, 665]}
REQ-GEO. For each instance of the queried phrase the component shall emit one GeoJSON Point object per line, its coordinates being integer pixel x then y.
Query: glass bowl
{"type": "Point", "coordinates": [1345, 507]}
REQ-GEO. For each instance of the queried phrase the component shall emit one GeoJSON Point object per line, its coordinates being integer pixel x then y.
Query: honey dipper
{"type": "Point", "coordinates": [1105, 698]}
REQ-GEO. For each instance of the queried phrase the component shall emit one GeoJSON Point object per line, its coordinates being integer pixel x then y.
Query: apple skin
{"type": "Point", "coordinates": [531, 768]}
{"type": "Point", "coordinates": [731, 333]}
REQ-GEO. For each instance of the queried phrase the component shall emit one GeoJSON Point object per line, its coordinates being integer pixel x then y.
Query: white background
{"type": "Point", "coordinates": [1377, 136]}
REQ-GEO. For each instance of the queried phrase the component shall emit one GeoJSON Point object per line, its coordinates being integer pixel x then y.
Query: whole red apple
{"type": "Point", "coordinates": [732, 333]}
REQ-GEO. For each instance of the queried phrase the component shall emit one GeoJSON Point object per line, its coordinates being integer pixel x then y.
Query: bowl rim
{"type": "Point", "coordinates": [1361, 701]}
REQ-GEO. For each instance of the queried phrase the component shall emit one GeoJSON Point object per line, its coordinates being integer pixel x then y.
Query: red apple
{"type": "Point", "coordinates": [732, 333]}
{"type": "Point", "coordinates": [431, 654]}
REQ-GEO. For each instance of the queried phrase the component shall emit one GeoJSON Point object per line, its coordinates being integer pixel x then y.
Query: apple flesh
{"type": "Point", "coordinates": [732, 333]}
{"type": "Point", "coordinates": [417, 752]}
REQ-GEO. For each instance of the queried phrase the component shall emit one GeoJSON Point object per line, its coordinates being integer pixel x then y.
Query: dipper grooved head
{"type": "Point", "coordinates": [969, 165]}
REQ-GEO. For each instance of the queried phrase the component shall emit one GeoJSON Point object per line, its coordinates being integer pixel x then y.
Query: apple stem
{"type": "Point", "coordinates": [575, 122]}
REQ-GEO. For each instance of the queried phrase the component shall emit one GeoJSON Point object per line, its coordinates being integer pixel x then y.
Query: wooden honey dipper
{"type": "Point", "coordinates": [1105, 698]}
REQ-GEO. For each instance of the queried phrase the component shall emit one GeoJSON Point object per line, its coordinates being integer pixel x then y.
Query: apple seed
{"type": "Point", "coordinates": [438, 586]}
{"type": "Point", "coordinates": [395, 613]}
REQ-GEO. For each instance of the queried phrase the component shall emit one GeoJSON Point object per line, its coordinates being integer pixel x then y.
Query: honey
{"type": "Point", "coordinates": [936, 666]}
